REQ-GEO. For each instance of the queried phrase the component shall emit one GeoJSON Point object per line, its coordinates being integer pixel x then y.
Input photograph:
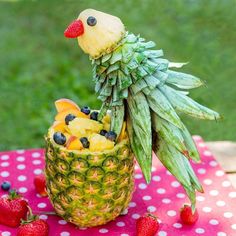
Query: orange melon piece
{"type": "Point", "coordinates": [61, 115]}
{"type": "Point", "coordinates": [64, 104]}
{"type": "Point", "coordinates": [74, 144]}
{"type": "Point", "coordinates": [59, 126]}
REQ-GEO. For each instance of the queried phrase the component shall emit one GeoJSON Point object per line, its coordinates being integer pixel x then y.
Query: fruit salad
{"type": "Point", "coordinates": [79, 128]}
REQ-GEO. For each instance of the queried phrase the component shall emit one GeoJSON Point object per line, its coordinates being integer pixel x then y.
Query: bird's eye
{"type": "Point", "coordinates": [91, 21]}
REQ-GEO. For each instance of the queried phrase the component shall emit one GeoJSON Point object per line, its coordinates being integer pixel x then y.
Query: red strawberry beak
{"type": "Point", "coordinates": [75, 29]}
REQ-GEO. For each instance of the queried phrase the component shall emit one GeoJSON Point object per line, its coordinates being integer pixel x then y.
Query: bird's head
{"type": "Point", "coordinates": [98, 33]}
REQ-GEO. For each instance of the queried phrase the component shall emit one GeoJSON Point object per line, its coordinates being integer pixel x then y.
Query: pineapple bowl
{"type": "Point", "coordinates": [89, 171]}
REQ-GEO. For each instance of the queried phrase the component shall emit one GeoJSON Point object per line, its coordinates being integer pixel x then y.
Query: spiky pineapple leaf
{"type": "Point", "coordinates": [117, 118]}
{"type": "Point", "coordinates": [138, 110]}
{"type": "Point", "coordinates": [187, 105]}
{"type": "Point", "coordinates": [182, 80]}
{"type": "Point", "coordinates": [161, 106]}
{"type": "Point", "coordinates": [144, 160]}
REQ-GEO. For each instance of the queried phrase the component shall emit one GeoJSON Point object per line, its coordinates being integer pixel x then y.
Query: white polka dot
{"type": "Point", "coordinates": [161, 190]}
{"type": "Point", "coordinates": [207, 181]}
{"type": "Point", "coordinates": [65, 234]}
{"type": "Point", "coordinates": [221, 234]}
{"type": "Point", "coordinates": [6, 233]}
{"type": "Point", "coordinates": [214, 192]}
{"type": "Point", "coordinates": [213, 163]}
{"type": "Point", "coordinates": [43, 217]}
{"type": "Point", "coordinates": [219, 173]}
{"type": "Point", "coordinates": [226, 183]}
{"type": "Point", "coordinates": [124, 235]}
{"type": "Point", "coordinates": [207, 153]}
{"type": "Point", "coordinates": [42, 205]}
{"type": "Point", "coordinates": [136, 167]}
{"type": "Point", "coordinates": [138, 176]}
{"type": "Point", "coordinates": [103, 231]}
{"type": "Point", "coordinates": [162, 233]}
{"type": "Point", "coordinates": [180, 195]}
{"type": "Point", "coordinates": [206, 209]}
{"type": "Point", "coordinates": [197, 138]}
{"type": "Point", "coordinates": [175, 184]}
{"type": "Point", "coordinates": [171, 213]}
{"type": "Point", "coordinates": [22, 178]}
{"type": "Point", "coordinates": [21, 167]}
{"type": "Point", "coordinates": [120, 224]}
{"type": "Point", "coordinates": [20, 158]}
{"type": "Point", "coordinates": [20, 151]}
{"type": "Point", "coordinates": [62, 222]}
{"type": "Point", "coordinates": [200, 231]}
{"type": "Point", "coordinates": [168, 172]}
{"type": "Point", "coordinates": [37, 171]}
{"type": "Point", "coordinates": [201, 171]}
{"type": "Point", "coordinates": [5, 157]}
{"type": "Point", "coordinates": [228, 214]}
{"type": "Point", "coordinates": [151, 209]}
{"type": "Point", "coordinates": [220, 203]}
{"type": "Point", "coordinates": [132, 204]}
{"type": "Point", "coordinates": [38, 195]}
{"type": "Point", "coordinates": [147, 198]}
{"type": "Point", "coordinates": [5, 164]}
{"type": "Point", "coordinates": [201, 144]}
{"type": "Point", "coordinates": [82, 228]}
{"type": "Point", "coordinates": [233, 226]}
{"type": "Point", "coordinates": [154, 168]}
{"type": "Point", "coordinates": [200, 198]}
{"type": "Point", "coordinates": [177, 225]}
{"type": "Point", "coordinates": [5, 173]}
{"type": "Point", "coordinates": [36, 162]}
{"type": "Point", "coordinates": [142, 186]}
{"type": "Point", "coordinates": [232, 194]}
{"type": "Point", "coordinates": [135, 216]}
{"type": "Point", "coordinates": [166, 200]}
{"type": "Point", "coordinates": [156, 178]}
{"type": "Point", "coordinates": [23, 190]}
{"type": "Point", "coordinates": [36, 154]}
{"type": "Point", "coordinates": [214, 222]}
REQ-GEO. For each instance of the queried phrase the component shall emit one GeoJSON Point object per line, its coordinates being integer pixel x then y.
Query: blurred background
{"type": "Point", "coordinates": [39, 65]}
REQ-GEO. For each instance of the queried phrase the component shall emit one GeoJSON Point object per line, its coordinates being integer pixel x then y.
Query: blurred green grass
{"type": "Point", "coordinates": [38, 65]}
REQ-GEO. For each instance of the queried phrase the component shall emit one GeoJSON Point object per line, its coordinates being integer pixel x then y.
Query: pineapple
{"type": "Point", "coordinates": [88, 186]}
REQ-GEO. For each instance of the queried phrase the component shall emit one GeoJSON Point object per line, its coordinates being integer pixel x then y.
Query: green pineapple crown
{"type": "Point", "coordinates": [138, 85]}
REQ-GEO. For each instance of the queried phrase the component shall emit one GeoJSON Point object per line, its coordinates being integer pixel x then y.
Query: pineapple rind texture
{"type": "Point", "coordinates": [89, 188]}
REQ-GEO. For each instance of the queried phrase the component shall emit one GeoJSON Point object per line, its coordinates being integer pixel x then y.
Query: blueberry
{"type": "Point", "coordinates": [103, 132]}
{"type": "Point", "coordinates": [59, 138]}
{"type": "Point", "coordinates": [94, 115]}
{"type": "Point", "coordinates": [69, 118]}
{"type": "Point", "coordinates": [85, 110]}
{"type": "Point", "coordinates": [111, 135]}
{"type": "Point", "coordinates": [6, 185]}
{"type": "Point", "coordinates": [91, 21]}
{"type": "Point", "coordinates": [84, 142]}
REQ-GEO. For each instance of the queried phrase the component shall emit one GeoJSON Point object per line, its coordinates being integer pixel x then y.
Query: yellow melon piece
{"type": "Point", "coordinates": [82, 127]}
{"type": "Point", "coordinates": [61, 115]}
{"type": "Point", "coordinates": [99, 143]}
{"type": "Point", "coordinates": [74, 144]}
{"type": "Point", "coordinates": [64, 104]}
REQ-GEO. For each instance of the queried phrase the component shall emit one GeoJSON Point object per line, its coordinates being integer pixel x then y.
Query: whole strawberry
{"type": "Point", "coordinates": [40, 185]}
{"type": "Point", "coordinates": [187, 216]}
{"type": "Point", "coordinates": [33, 226]}
{"type": "Point", "coordinates": [147, 225]}
{"type": "Point", "coordinates": [13, 208]}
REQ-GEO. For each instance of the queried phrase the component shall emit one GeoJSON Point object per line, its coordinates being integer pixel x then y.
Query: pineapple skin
{"type": "Point", "coordinates": [89, 189]}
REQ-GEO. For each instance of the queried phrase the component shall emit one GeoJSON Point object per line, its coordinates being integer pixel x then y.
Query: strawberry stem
{"type": "Point", "coordinates": [30, 217]}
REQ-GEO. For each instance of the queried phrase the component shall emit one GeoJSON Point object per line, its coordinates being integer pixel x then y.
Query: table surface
{"type": "Point", "coordinates": [225, 154]}
{"type": "Point", "coordinates": [163, 196]}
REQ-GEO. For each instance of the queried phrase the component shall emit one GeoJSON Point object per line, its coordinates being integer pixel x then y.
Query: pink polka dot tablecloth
{"type": "Point", "coordinates": [164, 196]}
